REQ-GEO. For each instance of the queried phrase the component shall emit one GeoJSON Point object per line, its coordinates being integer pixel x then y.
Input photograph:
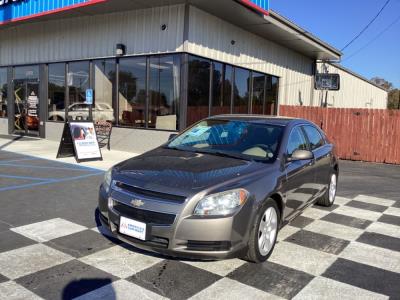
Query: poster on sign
{"type": "Point", "coordinates": [85, 141]}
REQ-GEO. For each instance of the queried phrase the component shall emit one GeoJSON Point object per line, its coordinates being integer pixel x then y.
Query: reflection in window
{"type": "Point", "coordinates": [296, 141]}
{"type": "Point", "coordinates": [164, 92]}
{"type": "Point", "coordinates": [228, 75]}
{"type": "Point", "coordinates": [3, 92]}
{"type": "Point", "coordinates": [26, 73]}
{"type": "Point", "coordinates": [132, 92]}
{"type": "Point", "coordinates": [198, 90]}
{"type": "Point", "coordinates": [78, 82]}
{"type": "Point", "coordinates": [271, 100]}
{"type": "Point", "coordinates": [220, 104]}
{"type": "Point", "coordinates": [104, 88]}
{"type": "Point", "coordinates": [241, 91]}
{"type": "Point", "coordinates": [56, 88]}
{"type": "Point", "coordinates": [258, 93]}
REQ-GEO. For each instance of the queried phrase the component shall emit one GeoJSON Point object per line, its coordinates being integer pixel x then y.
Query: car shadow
{"type": "Point", "coordinates": [89, 289]}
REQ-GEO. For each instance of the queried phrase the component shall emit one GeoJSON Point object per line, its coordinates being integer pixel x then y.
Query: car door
{"type": "Point", "coordinates": [299, 174]}
{"type": "Point", "coordinates": [322, 155]}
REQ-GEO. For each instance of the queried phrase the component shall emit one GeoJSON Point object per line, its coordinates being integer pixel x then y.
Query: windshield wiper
{"type": "Point", "coordinates": [224, 154]}
{"type": "Point", "coordinates": [173, 148]}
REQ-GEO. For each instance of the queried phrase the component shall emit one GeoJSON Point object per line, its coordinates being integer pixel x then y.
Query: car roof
{"type": "Point", "coordinates": [278, 120]}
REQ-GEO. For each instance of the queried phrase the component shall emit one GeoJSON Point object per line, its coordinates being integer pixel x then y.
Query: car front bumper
{"type": "Point", "coordinates": [186, 237]}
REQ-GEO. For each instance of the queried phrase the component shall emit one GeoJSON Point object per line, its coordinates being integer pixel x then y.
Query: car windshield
{"type": "Point", "coordinates": [245, 140]}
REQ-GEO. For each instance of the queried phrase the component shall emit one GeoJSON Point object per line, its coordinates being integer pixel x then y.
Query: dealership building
{"type": "Point", "coordinates": [157, 66]}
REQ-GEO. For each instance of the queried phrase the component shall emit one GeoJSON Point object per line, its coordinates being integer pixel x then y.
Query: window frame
{"type": "Point", "coordinates": [183, 82]}
{"type": "Point", "coordinates": [7, 86]}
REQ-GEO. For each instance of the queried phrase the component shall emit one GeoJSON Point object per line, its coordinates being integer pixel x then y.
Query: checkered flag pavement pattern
{"type": "Point", "coordinates": [348, 251]}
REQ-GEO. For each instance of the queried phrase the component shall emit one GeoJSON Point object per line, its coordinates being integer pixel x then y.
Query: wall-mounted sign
{"type": "Point", "coordinates": [261, 6]}
{"type": "Point", "coordinates": [18, 10]}
{"type": "Point", "coordinates": [327, 81]}
{"type": "Point", "coordinates": [89, 96]}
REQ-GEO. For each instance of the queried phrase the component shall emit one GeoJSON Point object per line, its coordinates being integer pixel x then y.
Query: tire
{"type": "Point", "coordinates": [254, 254]}
{"type": "Point", "coordinates": [328, 198]}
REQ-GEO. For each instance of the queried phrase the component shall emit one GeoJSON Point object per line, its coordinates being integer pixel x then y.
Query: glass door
{"type": "Point", "coordinates": [26, 95]}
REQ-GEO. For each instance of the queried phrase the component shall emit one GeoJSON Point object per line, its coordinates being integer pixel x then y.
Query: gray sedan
{"type": "Point", "coordinates": [222, 188]}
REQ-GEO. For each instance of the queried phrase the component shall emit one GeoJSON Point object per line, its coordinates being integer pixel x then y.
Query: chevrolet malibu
{"type": "Point", "coordinates": [222, 188]}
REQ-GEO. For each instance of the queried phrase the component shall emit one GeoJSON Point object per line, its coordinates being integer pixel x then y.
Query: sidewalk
{"type": "Point", "coordinates": [48, 150]}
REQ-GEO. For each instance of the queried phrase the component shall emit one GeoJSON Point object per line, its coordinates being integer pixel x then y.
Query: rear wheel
{"type": "Point", "coordinates": [264, 232]}
{"type": "Point", "coordinates": [329, 197]}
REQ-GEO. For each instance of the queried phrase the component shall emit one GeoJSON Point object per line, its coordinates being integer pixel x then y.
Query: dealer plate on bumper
{"type": "Point", "coordinates": [132, 228]}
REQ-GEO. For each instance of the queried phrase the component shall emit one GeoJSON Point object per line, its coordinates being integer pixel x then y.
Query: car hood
{"type": "Point", "coordinates": [183, 173]}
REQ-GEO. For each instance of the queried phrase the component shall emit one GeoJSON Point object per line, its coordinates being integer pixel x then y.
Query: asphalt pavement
{"type": "Point", "coordinates": [52, 248]}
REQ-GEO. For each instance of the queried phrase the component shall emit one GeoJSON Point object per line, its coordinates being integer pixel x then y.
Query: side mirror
{"type": "Point", "coordinates": [300, 155]}
{"type": "Point", "coordinates": [172, 136]}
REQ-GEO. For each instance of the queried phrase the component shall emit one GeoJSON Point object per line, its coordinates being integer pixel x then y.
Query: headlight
{"type": "Point", "coordinates": [107, 180]}
{"type": "Point", "coordinates": [223, 203]}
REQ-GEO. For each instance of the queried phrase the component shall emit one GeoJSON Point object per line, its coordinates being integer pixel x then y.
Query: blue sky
{"type": "Point", "coordinates": [337, 22]}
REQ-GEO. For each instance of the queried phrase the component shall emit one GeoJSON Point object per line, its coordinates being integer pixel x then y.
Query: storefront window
{"type": "Point", "coordinates": [30, 73]}
{"type": "Point", "coordinates": [258, 93]}
{"type": "Point", "coordinates": [228, 85]}
{"type": "Point", "coordinates": [164, 92]}
{"type": "Point", "coordinates": [271, 95]}
{"type": "Point", "coordinates": [132, 92]}
{"type": "Point", "coordinates": [3, 92]}
{"type": "Point", "coordinates": [220, 104]}
{"type": "Point", "coordinates": [56, 101]}
{"type": "Point", "coordinates": [198, 90]}
{"type": "Point", "coordinates": [26, 96]}
{"type": "Point", "coordinates": [78, 83]}
{"type": "Point", "coordinates": [241, 91]}
{"type": "Point", "coordinates": [104, 72]}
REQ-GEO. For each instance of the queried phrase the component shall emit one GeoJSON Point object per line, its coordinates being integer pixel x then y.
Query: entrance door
{"type": "Point", "coordinates": [26, 95]}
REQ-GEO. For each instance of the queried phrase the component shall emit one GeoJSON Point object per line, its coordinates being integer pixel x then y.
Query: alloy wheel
{"type": "Point", "coordinates": [332, 188]}
{"type": "Point", "coordinates": [267, 231]}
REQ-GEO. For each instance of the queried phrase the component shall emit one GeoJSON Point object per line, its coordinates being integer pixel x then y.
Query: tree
{"type": "Point", "coordinates": [394, 99]}
{"type": "Point", "coordinates": [393, 94]}
{"type": "Point", "coordinates": [382, 82]}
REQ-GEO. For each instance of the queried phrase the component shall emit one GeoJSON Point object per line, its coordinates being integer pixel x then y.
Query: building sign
{"type": "Point", "coordinates": [327, 81]}
{"type": "Point", "coordinates": [4, 2]}
{"type": "Point", "coordinates": [89, 97]}
{"type": "Point", "coordinates": [18, 10]}
{"type": "Point", "coordinates": [261, 6]}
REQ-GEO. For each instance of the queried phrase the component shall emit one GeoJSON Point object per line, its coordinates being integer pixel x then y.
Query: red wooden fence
{"type": "Point", "coordinates": [359, 134]}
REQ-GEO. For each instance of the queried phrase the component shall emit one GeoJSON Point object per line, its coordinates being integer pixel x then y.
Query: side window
{"type": "Point", "coordinates": [314, 136]}
{"type": "Point", "coordinates": [296, 141]}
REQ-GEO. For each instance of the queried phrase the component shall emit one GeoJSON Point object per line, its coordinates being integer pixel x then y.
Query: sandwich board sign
{"type": "Point", "coordinates": [79, 139]}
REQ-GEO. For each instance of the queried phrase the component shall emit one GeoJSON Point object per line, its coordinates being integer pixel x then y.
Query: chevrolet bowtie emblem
{"type": "Point", "coordinates": [137, 202]}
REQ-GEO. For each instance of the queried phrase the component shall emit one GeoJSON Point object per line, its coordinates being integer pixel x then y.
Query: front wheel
{"type": "Point", "coordinates": [264, 232]}
{"type": "Point", "coordinates": [329, 197]}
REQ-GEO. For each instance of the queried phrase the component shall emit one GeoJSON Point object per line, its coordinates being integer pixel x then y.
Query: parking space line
{"type": "Point", "coordinates": [25, 177]}
{"type": "Point", "coordinates": [43, 167]}
{"type": "Point", "coordinates": [55, 161]}
{"type": "Point", "coordinates": [16, 160]}
{"type": "Point", "coordinates": [50, 181]}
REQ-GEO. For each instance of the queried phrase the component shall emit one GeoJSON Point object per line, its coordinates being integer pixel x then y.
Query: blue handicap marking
{"type": "Point", "coordinates": [89, 96]}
